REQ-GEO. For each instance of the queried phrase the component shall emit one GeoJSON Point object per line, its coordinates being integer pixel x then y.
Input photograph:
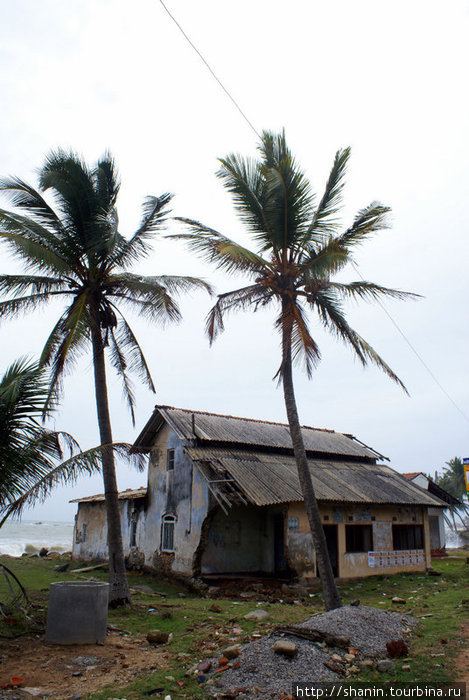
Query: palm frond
{"type": "Point", "coordinates": [23, 196]}
{"type": "Point", "coordinates": [136, 360]}
{"type": "Point", "coordinates": [12, 307]}
{"type": "Point", "coordinates": [20, 284]}
{"type": "Point", "coordinates": [223, 252]}
{"type": "Point", "coordinates": [372, 218]}
{"type": "Point", "coordinates": [324, 222]}
{"type": "Point", "coordinates": [119, 363]}
{"type": "Point", "coordinates": [333, 319]}
{"type": "Point", "coordinates": [255, 295]}
{"type": "Point", "coordinates": [155, 213]}
{"type": "Point", "coordinates": [370, 291]}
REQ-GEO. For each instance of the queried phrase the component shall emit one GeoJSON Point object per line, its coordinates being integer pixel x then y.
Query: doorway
{"type": "Point", "coordinates": [280, 564]}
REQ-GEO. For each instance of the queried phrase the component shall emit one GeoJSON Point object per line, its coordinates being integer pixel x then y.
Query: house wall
{"type": "Point", "coordinates": [90, 532]}
{"type": "Point", "coordinates": [181, 492]}
{"type": "Point", "coordinates": [381, 518]}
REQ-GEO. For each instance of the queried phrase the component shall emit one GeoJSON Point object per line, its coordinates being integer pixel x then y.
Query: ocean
{"type": "Point", "coordinates": [19, 536]}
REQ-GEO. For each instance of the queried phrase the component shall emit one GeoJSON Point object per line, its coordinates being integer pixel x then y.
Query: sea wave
{"type": "Point", "coordinates": [19, 537]}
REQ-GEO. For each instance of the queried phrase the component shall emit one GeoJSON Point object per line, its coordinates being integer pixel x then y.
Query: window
{"type": "Point", "coordinates": [83, 533]}
{"type": "Point", "coordinates": [170, 460]}
{"type": "Point", "coordinates": [167, 533]}
{"type": "Point", "coordinates": [133, 528]}
{"type": "Point", "coordinates": [358, 538]}
{"type": "Point", "coordinates": [407, 537]}
{"type": "Point", "coordinates": [293, 524]}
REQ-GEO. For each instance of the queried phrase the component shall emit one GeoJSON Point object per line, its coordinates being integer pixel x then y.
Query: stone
{"type": "Point", "coordinates": [367, 664]}
{"type": "Point", "coordinates": [213, 590]}
{"type": "Point", "coordinates": [384, 665]}
{"type": "Point", "coordinates": [257, 615]}
{"type": "Point", "coordinates": [354, 669]}
{"type": "Point", "coordinates": [204, 666]}
{"type": "Point", "coordinates": [43, 552]}
{"type": "Point", "coordinates": [285, 648]}
{"type": "Point", "coordinates": [355, 602]}
{"type": "Point", "coordinates": [406, 667]}
{"type": "Point", "coordinates": [396, 599]}
{"type": "Point", "coordinates": [215, 608]}
{"type": "Point", "coordinates": [232, 652]}
{"type": "Point", "coordinates": [336, 658]}
{"type": "Point", "coordinates": [397, 648]}
{"type": "Point", "coordinates": [349, 657]}
{"type": "Point", "coordinates": [181, 595]}
{"type": "Point", "coordinates": [443, 640]}
{"type": "Point", "coordinates": [223, 661]}
{"type": "Point", "coordinates": [157, 637]}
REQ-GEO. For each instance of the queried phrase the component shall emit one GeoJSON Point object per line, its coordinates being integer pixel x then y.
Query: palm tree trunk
{"type": "Point", "coordinates": [331, 594]}
{"type": "Point", "coordinates": [118, 587]}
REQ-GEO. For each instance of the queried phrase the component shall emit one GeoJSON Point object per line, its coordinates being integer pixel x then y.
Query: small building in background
{"type": "Point", "coordinates": [223, 498]}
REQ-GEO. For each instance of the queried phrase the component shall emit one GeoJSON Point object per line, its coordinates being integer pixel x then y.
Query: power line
{"type": "Point", "coordinates": [415, 351]}
{"type": "Point", "coordinates": [225, 90]}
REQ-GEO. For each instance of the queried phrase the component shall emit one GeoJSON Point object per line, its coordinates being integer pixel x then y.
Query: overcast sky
{"type": "Point", "coordinates": [388, 79]}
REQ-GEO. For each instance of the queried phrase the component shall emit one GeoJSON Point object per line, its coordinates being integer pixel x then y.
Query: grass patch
{"type": "Point", "coordinates": [198, 632]}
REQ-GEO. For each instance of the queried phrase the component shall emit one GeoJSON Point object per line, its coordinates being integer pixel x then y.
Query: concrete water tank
{"type": "Point", "coordinates": [77, 612]}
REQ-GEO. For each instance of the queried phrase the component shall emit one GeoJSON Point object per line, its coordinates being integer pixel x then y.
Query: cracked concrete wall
{"type": "Point", "coordinates": [355, 564]}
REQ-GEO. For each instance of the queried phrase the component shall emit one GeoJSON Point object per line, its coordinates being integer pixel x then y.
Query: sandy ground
{"type": "Point", "coordinates": [65, 671]}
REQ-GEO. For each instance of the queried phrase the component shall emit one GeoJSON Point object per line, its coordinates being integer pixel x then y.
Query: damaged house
{"type": "Point", "coordinates": [223, 497]}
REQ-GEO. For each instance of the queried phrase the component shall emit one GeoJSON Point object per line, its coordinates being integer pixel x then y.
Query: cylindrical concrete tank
{"type": "Point", "coordinates": [77, 612]}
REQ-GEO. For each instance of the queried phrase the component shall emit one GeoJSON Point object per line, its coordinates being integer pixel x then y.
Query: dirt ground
{"type": "Point", "coordinates": [462, 659]}
{"type": "Point", "coordinates": [65, 671]}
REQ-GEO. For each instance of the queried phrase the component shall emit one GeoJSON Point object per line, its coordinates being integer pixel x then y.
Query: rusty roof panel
{"type": "Point", "coordinates": [212, 427]}
{"type": "Point", "coordinates": [268, 478]}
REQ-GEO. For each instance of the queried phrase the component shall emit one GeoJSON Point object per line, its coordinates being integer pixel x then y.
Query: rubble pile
{"type": "Point", "coordinates": [328, 647]}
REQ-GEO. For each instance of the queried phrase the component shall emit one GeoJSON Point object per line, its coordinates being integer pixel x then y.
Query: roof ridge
{"type": "Point", "coordinates": [252, 420]}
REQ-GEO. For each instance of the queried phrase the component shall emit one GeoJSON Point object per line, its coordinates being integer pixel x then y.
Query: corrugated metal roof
{"type": "Point", "coordinates": [211, 427]}
{"type": "Point", "coordinates": [266, 479]}
{"type": "Point", "coordinates": [128, 495]}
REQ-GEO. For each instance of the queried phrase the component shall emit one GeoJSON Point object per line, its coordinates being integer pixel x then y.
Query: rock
{"type": "Point", "coordinates": [232, 652]}
{"type": "Point", "coordinates": [204, 666]}
{"type": "Point", "coordinates": [183, 656]}
{"type": "Point", "coordinates": [355, 602]}
{"type": "Point", "coordinates": [335, 668]}
{"type": "Point", "coordinates": [215, 608]}
{"type": "Point", "coordinates": [406, 667]}
{"type": "Point", "coordinates": [354, 669]}
{"type": "Point", "coordinates": [213, 590]}
{"type": "Point", "coordinates": [35, 692]}
{"type": "Point", "coordinates": [349, 657]}
{"type": "Point", "coordinates": [285, 648]}
{"type": "Point", "coordinates": [257, 615]}
{"type": "Point", "coordinates": [337, 659]}
{"type": "Point", "coordinates": [223, 661]}
{"type": "Point", "coordinates": [396, 599]}
{"type": "Point", "coordinates": [367, 664]}
{"type": "Point", "coordinates": [236, 665]}
{"type": "Point", "coordinates": [181, 595]}
{"type": "Point", "coordinates": [43, 552]}
{"type": "Point", "coordinates": [62, 567]}
{"type": "Point", "coordinates": [157, 637]}
{"type": "Point", "coordinates": [385, 665]}
{"type": "Point", "coordinates": [443, 640]}
{"type": "Point", "coordinates": [397, 648]}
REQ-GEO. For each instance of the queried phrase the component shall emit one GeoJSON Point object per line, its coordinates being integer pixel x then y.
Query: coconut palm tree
{"type": "Point", "coordinates": [72, 250]}
{"type": "Point", "coordinates": [298, 251]}
{"type": "Point", "coordinates": [453, 478]}
{"type": "Point", "coordinates": [29, 452]}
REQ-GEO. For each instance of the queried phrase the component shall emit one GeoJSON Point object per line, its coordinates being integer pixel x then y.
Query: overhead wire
{"type": "Point", "coordinates": [210, 69]}
{"type": "Point", "coordinates": [414, 350]}
{"type": "Point", "coordinates": [251, 125]}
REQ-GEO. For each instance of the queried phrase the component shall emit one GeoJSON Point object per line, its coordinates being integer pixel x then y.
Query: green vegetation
{"type": "Point", "coordinates": [438, 602]}
{"type": "Point", "coordinates": [453, 479]}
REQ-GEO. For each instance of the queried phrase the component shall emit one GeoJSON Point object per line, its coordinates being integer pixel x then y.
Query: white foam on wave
{"type": "Point", "coordinates": [18, 537]}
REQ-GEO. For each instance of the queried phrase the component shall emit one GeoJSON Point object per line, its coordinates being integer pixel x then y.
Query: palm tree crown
{"type": "Point", "coordinates": [299, 249]}
{"type": "Point", "coordinates": [76, 252]}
